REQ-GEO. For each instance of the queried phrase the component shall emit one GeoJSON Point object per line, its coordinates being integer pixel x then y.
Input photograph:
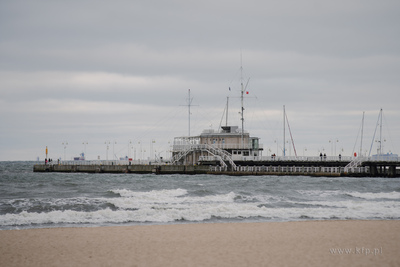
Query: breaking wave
{"type": "Point", "coordinates": [165, 206]}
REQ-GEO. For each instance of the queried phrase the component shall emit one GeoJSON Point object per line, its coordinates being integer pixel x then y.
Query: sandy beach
{"type": "Point", "coordinates": [307, 243]}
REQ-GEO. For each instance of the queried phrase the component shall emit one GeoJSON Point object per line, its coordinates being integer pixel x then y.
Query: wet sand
{"type": "Point", "coordinates": [307, 243]}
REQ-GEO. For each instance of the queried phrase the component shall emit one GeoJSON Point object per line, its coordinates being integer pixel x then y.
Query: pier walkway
{"type": "Point", "coordinates": [358, 167]}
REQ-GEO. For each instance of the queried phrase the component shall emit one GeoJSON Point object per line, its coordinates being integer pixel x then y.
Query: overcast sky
{"type": "Point", "coordinates": [119, 71]}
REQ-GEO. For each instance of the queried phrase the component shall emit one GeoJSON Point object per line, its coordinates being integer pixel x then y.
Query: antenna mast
{"type": "Point", "coordinates": [284, 125]}
{"type": "Point", "coordinates": [189, 104]}
{"type": "Point", "coordinates": [241, 97]}
{"type": "Point", "coordinates": [362, 131]}
{"type": "Point", "coordinates": [227, 106]}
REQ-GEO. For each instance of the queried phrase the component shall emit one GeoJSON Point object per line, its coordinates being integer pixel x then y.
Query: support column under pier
{"type": "Point", "coordinates": [392, 171]}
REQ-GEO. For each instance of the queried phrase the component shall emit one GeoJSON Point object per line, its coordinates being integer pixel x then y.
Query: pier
{"type": "Point", "coordinates": [313, 166]}
{"type": "Point", "coordinates": [120, 167]}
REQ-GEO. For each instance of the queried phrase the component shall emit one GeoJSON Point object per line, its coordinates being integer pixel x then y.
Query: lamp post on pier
{"type": "Point", "coordinates": [84, 143]}
{"type": "Point", "coordinates": [114, 142]}
{"type": "Point", "coordinates": [129, 148]}
{"type": "Point", "coordinates": [337, 141]}
{"type": "Point", "coordinates": [65, 144]}
{"type": "Point", "coordinates": [152, 141]}
{"type": "Point", "coordinates": [107, 143]}
{"type": "Point", "coordinates": [141, 151]}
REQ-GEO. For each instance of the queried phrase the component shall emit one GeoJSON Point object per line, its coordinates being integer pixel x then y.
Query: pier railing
{"type": "Point", "coordinates": [315, 158]}
{"type": "Point", "coordinates": [183, 147]}
{"type": "Point", "coordinates": [300, 170]}
{"type": "Point", "coordinates": [104, 162]}
{"type": "Point", "coordinates": [306, 158]}
{"type": "Point", "coordinates": [247, 158]}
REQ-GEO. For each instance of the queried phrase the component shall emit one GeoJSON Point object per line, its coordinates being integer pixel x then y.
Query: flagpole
{"type": "Point", "coordinates": [241, 97]}
{"type": "Point", "coordinates": [227, 106]}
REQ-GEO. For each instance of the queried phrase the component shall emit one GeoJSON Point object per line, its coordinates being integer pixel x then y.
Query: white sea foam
{"type": "Point", "coordinates": [381, 195]}
{"type": "Point", "coordinates": [361, 208]}
{"type": "Point", "coordinates": [319, 193]}
{"type": "Point", "coordinates": [47, 201]}
{"type": "Point", "coordinates": [152, 206]}
{"type": "Point", "coordinates": [164, 199]}
{"type": "Point", "coordinates": [171, 205]}
{"type": "Point", "coordinates": [151, 194]}
{"type": "Point", "coordinates": [200, 211]}
{"type": "Point", "coordinates": [364, 195]}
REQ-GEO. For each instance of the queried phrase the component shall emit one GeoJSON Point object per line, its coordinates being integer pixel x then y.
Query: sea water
{"type": "Point", "coordinates": [37, 200]}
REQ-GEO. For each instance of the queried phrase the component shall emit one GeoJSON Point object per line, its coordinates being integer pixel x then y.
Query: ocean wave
{"type": "Point", "coordinates": [380, 195]}
{"type": "Point", "coordinates": [196, 212]}
{"type": "Point", "coordinates": [319, 193]}
{"type": "Point", "coordinates": [170, 205]}
{"type": "Point", "coordinates": [364, 195]}
{"type": "Point", "coordinates": [370, 207]}
{"type": "Point", "coordinates": [151, 194]}
{"type": "Point", "coordinates": [165, 198]}
{"type": "Point", "coordinates": [52, 204]}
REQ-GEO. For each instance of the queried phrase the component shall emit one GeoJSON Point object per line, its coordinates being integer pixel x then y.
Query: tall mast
{"type": "Point", "coordinates": [284, 124]}
{"type": "Point", "coordinates": [241, 97]}
{"type": "Point", "coordinates": [291, 136]}
{"type": "Point", "coordinates": [380, 134]}
{"type": "Point", "coordinates": [373, 138]}
{"type": "Point", "coordinates": [189, 104]}
{"type": "Point", "coordinates": [362, 131]}
{"type": "Point", "coordinates": [227, 105]}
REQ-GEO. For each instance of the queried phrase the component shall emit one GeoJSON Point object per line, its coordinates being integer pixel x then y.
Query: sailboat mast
{"type": "Point", "coordinates": [373, 138]}
{"type": "Point", "coordinates": [291, 136]}
{"type": "Point", "coordinates": [362, 131]}
{"type": "Point", "coordinates": [380, 134]}
{"type": "Point", "coordinates": [284, 124]}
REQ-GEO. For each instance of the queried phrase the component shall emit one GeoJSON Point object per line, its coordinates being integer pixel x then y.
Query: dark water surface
{"type": "Point", "coordinates": [36, 200]}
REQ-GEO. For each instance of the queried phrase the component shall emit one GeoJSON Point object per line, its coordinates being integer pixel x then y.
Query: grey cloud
{"type": "Point", "coordinates": [99, 69]}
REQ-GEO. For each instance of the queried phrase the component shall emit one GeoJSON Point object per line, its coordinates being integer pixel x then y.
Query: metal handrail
{"type": "Point", "coordinates": [221, 154]}
{"type": "Point", "coordinates": [263, 158]}
{"type": "Point", "coordinates": [179, 147]}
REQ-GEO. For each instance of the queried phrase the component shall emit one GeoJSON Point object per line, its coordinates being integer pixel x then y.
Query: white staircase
{"type": "Point", "coordinates": [355, 163]}
{"type": "Point", "coordinates": [220, 154]}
